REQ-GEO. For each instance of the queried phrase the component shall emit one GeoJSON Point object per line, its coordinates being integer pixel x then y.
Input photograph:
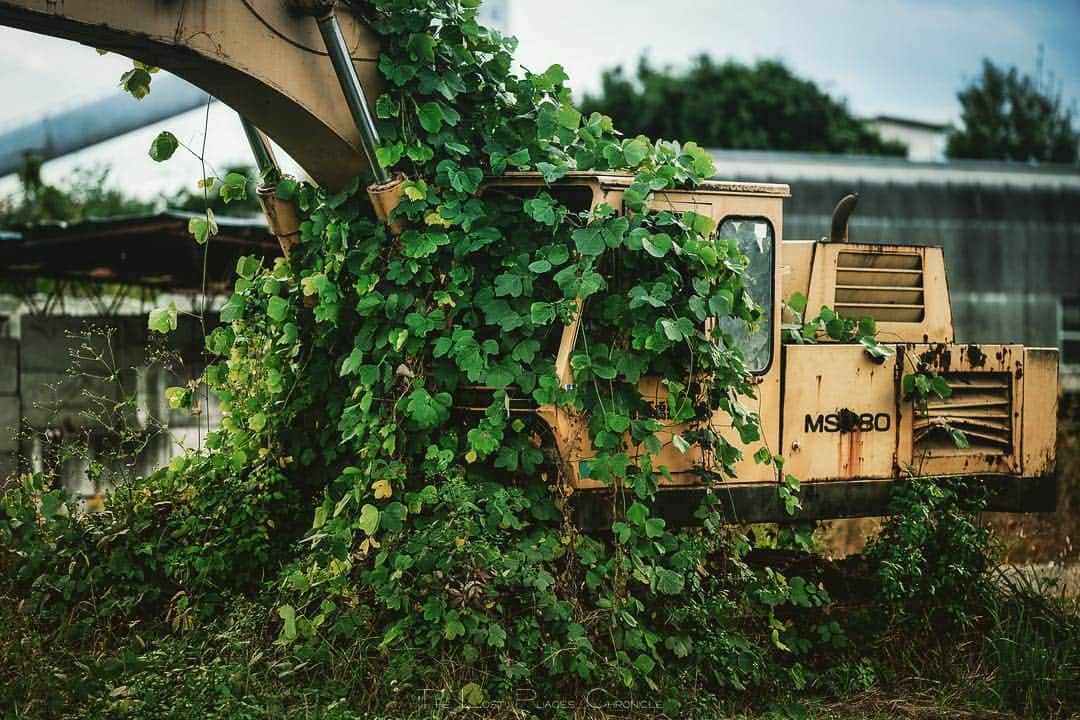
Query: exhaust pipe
{"type": "Point", "coordinates": [841, 214]}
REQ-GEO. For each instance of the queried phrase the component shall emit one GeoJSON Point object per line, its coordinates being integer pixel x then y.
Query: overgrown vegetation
{"type": "Point", "coordinates": [360, 540]}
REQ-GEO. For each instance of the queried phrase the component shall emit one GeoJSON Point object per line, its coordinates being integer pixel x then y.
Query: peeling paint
{"type": "Point", "coordinates": [975, 356]}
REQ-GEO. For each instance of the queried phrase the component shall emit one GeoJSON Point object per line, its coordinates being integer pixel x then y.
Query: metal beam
{"type": "Point", "coordinates": [353, 90]}
{"type": "Point", "coordinates": [72, 130]}
{"type": "Point", "coordinates": [760, 502]}
{"type": "Point", "coordinates": [260, 57]}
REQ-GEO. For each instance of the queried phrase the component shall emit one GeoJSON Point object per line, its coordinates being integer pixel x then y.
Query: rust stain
{"type": "Point", "coordinates": [939, 355]}
{"type": "Point", "coordinates": [975, 356]}
{"type": "Point", "coordinates": [848, 420]}
{"type": "Point", "coordinates": [854, 453]}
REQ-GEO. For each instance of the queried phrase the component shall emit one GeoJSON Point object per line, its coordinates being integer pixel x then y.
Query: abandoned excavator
{"type": "Point", "coordinates": [306, 75]}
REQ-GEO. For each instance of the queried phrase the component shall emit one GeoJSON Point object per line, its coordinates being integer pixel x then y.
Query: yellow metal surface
{"type": "Point", "coordinates": [839, 413]}
{"type": "Point", "coordinates": [846, 418]}
{"type": "Point", "coordinates": [1039, 416]}
{"type": "Point", "coordinates": [903, 288]}
{"type": "Point", "coordinates": [282, 219]}
{"type": "Point", "coordinates": [795, 271]}
{"type": "Point", "coordinates": [261, 58]}
{"type": "Point", "coordinates": [385, 199]}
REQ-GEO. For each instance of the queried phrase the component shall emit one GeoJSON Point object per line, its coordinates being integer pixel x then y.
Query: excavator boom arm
{"type": "Point", "coordinates": [261, 57]}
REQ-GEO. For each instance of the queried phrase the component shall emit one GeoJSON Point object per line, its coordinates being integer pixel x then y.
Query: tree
{"type": "Point", "coordinates": [734, 106]}
{"type": "Point", "coordinates": [84, 194]}
{"type": "Point", "coordinates": [1012, 117]}
{"type": "Point", "coordinates": [197, 200]}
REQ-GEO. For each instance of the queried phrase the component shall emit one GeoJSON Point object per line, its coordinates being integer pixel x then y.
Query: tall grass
{"type": "Point", "coordinates": [1031, 646]}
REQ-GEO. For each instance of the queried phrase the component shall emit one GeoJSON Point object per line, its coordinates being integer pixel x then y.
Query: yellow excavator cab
{"type": "Point", "coordinates": [839, 416]}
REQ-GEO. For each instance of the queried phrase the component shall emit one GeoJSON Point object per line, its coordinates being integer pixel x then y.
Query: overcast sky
{"type": "Point", "coordinates": [895, 57]}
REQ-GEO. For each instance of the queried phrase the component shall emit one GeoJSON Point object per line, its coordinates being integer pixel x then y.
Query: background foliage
{"type": "Point", "coordinates": [734, 107]}
{"type": "Point", "coordinates": [85, 195]}
{"type": "Point", "coordinates": [1009, 116]}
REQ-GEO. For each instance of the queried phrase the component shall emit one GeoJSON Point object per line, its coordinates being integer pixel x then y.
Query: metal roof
{"type": "Point", "coordinates": [754, 165]}
{"type": "Point", "coordinates": [149, 250]}
{"type": "Point", "coordinates": [908, 122]}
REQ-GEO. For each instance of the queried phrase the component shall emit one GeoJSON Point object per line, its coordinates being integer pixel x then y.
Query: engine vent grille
{"type": "Point", "coordinates": [885, 286]}
{"type": "Point", "coordinates": [980, 407]}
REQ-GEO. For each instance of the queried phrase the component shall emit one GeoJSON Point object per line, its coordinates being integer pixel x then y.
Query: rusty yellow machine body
{"type": "Point", "coordinates": [838, 416]}
{"type": "Point", "coordinates": [841, 420]}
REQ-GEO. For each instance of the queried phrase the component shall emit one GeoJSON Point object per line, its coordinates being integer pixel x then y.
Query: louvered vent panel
{"type": "Point", "coordinates": [980, 407]}
{"type": "Point", "coordinates": [886, 287]}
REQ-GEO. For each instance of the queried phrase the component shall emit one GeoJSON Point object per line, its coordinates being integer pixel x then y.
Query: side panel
{"type": "Point", "coordinates": [850, 436]}
{"type": "Point", "coordinates": [1040, 380]}
{"type": "Point", "coordinates": [840, 413]}
{"type": "Point", "coordinates": [766, 403]}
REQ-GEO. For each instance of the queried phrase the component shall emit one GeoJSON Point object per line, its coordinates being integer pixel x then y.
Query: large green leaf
{"type": "Point", "coordinates": [369, 519]}
{"type": "Point", "coordinates": [163, 319]}
{"type": "Point", "coordinates": [163, 146]}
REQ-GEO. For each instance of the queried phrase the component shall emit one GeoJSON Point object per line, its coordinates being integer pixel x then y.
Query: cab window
{"type": "Point", "coordinates": [756, 241]}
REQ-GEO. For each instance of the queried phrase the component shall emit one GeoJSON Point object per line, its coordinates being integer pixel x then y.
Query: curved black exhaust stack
{"type": "Point", "coordinates": [840, 216]}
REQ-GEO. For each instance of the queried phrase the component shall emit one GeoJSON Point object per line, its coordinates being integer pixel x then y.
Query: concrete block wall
{"type": "Point", "coordinates": [53, 396]}
{"type": "Point", "coordinates": [10, 405]}
{"type": "Point", "coordinates": [57, 405]}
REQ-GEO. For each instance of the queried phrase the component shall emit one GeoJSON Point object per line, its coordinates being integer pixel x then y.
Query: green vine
{"type": "Point", "coordinates": [835, 327]}
{"type": "Point", "coordinates": [351, 363]}
{"type": "Point", "coordinates": [373, 463]}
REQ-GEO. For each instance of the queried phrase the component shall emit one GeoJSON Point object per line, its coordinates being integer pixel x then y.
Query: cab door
{"type": "Point", "coordinates": [756, 222]}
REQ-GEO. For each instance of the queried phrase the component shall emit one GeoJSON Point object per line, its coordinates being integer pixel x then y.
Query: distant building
{"type": "Point", "coordinates": [925, 141]}
{"type": "Point", "coordinates": [72, 290]}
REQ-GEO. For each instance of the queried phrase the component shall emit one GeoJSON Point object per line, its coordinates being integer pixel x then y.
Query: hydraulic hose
{"type": "Point", "coordinates": [354, 91]}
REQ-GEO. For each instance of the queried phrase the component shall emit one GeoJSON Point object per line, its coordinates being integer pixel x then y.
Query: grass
{"type": "Point", "coordinates": [1033, 650]}
{"type": "Point", "coordinates": [1020, 660]}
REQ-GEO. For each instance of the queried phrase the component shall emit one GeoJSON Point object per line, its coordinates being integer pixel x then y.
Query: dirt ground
{"type": "Point", "coordinates": [1048, 543]}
